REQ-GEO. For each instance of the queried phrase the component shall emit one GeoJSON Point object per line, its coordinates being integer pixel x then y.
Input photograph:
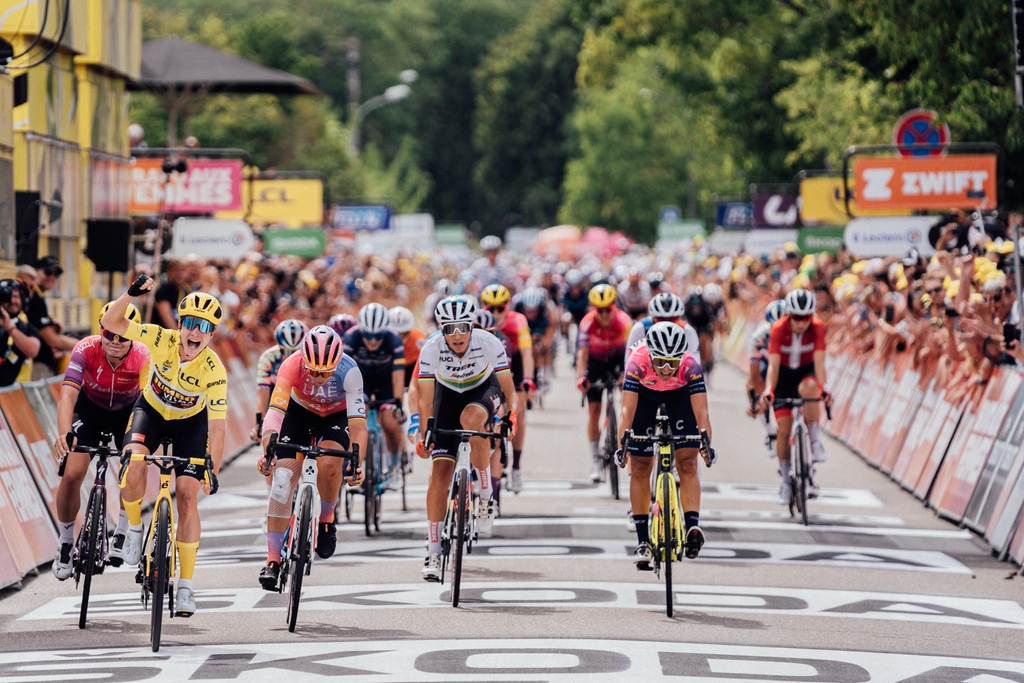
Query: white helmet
{"type": "Point", "coordinates": [444, 288]}
{"type": "Point", "coordinates": [775, 310]}
{"type": "Point", "coordinates": [574, 278]}
{"type": "Point", "coordinates": [455, 309]}
{"type": "Point", "coordinates": [801, 302]}
{"type": "Point", "coordinates": [373, 318]}
{"type": "Point", "coordinates": [490, 243]}
{"type": "Point", "coordinates": [485, 319]}
{"type": "Point", "coordinates": [666, 340]}
{"type": "Point", "coordinates": [401, 319]}
{"type": "Point", "coordinates": [712, 293]}
{"type": "Point", "coordinates": [533, 298]}
{"type": "Point", "coordinates": [289, 333]}
{"type": "Point", "coordinates": [665, 305]}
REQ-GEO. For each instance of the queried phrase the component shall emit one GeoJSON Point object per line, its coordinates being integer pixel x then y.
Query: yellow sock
{"type": "Point", "coordinates": [133, 508]}
{"type": "Point", "coordinates": [187, 559]}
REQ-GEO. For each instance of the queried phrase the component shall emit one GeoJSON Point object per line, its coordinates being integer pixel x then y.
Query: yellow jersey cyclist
{"type": "Point", "coordinates": [185, 400]}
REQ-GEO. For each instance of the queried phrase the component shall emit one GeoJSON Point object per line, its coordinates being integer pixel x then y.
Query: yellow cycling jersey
{"type": "Point", "coordinates": [178, 391]}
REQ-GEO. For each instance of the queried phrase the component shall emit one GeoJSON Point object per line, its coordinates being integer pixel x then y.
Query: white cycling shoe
{"type": "Point", "coordinates": [485, 515]}
{"type": "Point", "coordinates": [133, 546]}
{"type": "Point", "coordinates": [184, 603]}
{"type": "Point", "coordinates": [517, 481]}
{"type": "Point", "coordinates": [596, 471]}
{"type": "Point", "coordinates": [784, 492]}
{"type": "Point", "coordinates": [397, 478]}
{"type": "Point", "coordinates": [818, 451]}
{"type": "Point", "coordinates": [432, 568]}
{"type": "Point", "coordinates": [62, 565]}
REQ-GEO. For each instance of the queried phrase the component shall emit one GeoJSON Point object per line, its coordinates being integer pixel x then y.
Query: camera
{"type": "Point", "coordinates": [7, 289]}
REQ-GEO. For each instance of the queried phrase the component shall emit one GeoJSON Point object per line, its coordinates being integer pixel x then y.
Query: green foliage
{"type": "Point", "coordinates": [402, 181]}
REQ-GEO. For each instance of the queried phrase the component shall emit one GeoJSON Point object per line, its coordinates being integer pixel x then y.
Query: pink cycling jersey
{"type": "Point", "coordinates": [342, 392]}
{"type": "Point", "coordinates": [108, 387]}
{"type": "Point", "coordinates": [604, 343]}
{"type": "Point", "coordinates": [640, 373]}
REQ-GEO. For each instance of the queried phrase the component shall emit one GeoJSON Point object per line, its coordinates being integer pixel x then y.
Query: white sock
{"type": "Point", "coordinates": [814, 431]}
{"type": "Point", "coordinates": [486, 492]}
{"type": "Point", "coordinates": [434, 537]}
{"type": "Point", "coordinates": [595, 450]}
{"type": "Point", "coordinates": [770, 429]}
{"type": "Point", "coordinates": [67, 532]}
{"type": "Point", "coordinates": [787, 475]}
{"type": "Point", "coordinates": [184, 583]}
{"type": "Point", "coordinates": [122, 522]}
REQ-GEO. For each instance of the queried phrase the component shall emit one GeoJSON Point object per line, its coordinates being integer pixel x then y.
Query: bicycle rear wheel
{"type": "Point", "coordinates": [93, 523]}
{"type": "Point", "coordinates": [805, 474]}
{"type": "Point", "coordinates": [300, 561]}
{"type": "Point", "coordinates": [668, 528]}
{"type": "Point", "coordinates": [610, 447]}
{"type": "Point", "coordinates": [370, 483]}
{"type": "Point", "coordinates": [461, 516]}
{"type": "Point", "coordinates": [158, 569]}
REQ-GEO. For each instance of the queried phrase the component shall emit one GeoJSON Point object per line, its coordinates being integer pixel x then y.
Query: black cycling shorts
{"type": "Point", "coordinates": [300, 426]}
{"type": "Point", "coordinates": [448, 407]}
{"type": "Point", "coordinates": [516, 366]}
{"type": "Point", "coordinates": [789, 380]}
{"type": "Point", "coordinates": [380, 388]}
{"type": "Point", "coordinates": [189, 437]}
{"type": "Point", "coordinates": [599, 370]}
{"type": "Point", "coordinates": [680, 413]}
{"type": "Point", "coordinates": [90, 421]}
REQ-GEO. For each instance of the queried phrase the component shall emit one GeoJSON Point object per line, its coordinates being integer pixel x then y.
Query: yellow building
{"type": "Point", "coordinates": [6, 175]}
{"type": "Point", "coordinates": [69, 121]}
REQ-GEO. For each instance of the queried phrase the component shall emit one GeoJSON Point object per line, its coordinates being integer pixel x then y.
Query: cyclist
{"type": "Point", "coordinates": [318, 395]}
{"type": "Point", "coordinates": [519, 345]}
{"type": "Point", "coordinates": [184, 400]}
{"type": "Point", "coordinates": [574, 301]}
{"type": "Point", "coordinates": [634, 293]}
{"type": "Point", "coordinates": [796, 369]}
{"type": "Point", "coordinates": [289, 335]}
{"type": "Point", "coordinates": [443, 288]}
{"type": "Point", "coordinates": [380, 355]}
{"type": "Point", "coordinates": [758, 368]}
{"type": "Point", "coordinates": [491, 269]}
{"type": "Point", "coordinates": [402, 323]}
{"type": "Point", "coordinates": [601, 347]}
{"type": "Point", "coordinates": [660, 371]}
{"type": "Point", "coordinates": [699, 314]}
{"type": "Point", "coordinates": [543, 322]}
{"type": "Point", "coordinates": [463, 375]}
{"type": "Point", "coordinates": [100, 387]}
{"type": "Point", "coordinates": [664, 306]}
{"type": "Point", "coordinates": [719, 314]}
{"type": "Point", "coordinates": [341, 323]}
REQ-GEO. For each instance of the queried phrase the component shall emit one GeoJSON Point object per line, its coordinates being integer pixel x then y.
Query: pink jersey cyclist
{"type": "Point", "coordinates": [674, 392]}
{"type": "Point", "coordinates": [640, 373]}
{"type": "Point", "coordinates": [342, 393]}
{"type": "Point", "coordinates": [107, 387]}
{"type": "Point", "coordinates": [604, 343]}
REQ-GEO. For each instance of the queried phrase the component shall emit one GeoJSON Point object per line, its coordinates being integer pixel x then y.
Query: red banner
{"type": "Point", "coordinates": [207, 186]}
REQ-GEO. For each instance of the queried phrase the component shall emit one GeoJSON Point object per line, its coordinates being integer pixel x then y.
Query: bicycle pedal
{"type": "Point", "coordinates": [140, 577]}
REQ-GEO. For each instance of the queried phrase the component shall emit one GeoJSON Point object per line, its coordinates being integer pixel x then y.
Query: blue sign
{"type": "Point", "coordinates": [669, 214]}
{"type": "Point", "coordinates": [734, 215]}
{"type": "Point", "coordinates": [362, 218]}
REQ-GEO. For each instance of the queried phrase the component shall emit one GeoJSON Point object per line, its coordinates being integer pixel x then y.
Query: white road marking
{"type": "Point", "coordinates": [779, 514]}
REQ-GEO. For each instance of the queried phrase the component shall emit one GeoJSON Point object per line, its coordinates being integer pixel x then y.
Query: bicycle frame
{"type": "Point", "coordinates": [801, 464]}
{"type": "Point", "coordinates": [98, 489]}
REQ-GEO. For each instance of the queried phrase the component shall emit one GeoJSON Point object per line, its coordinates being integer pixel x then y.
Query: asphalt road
{"type": "Point", "coordinates": [876, 589]}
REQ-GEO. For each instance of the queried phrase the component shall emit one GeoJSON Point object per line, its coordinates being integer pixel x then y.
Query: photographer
{"type": "Point", "coordinates": [18, 339]}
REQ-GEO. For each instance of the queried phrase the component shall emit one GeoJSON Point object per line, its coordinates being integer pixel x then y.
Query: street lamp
{"type": "Point", "coordinates": [395, 93]}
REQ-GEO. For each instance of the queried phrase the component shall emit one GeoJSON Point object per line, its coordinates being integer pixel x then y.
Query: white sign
{"type": "Point", "coordinates": [519, 240]}
{"type": "Point", "coordinates": [211, 238]}
{"type": "Point", "coordinates": [723, 242]}
{"type": "Point", "coordinates": [766, 242]}
{"type": "Point", "coordinates": [410, 232]}
{"type": "Point", "coordinates": [889, 236]}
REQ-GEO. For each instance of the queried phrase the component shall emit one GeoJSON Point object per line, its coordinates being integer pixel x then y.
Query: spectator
{"type": "Point", "coordinates": [172, 291]}
{"type": "Point", "coordinates": [20, 338]}
{"type": "Point", "coordinates": [28, 277]}
{"type": "Point", "coordinates": [55, 344]}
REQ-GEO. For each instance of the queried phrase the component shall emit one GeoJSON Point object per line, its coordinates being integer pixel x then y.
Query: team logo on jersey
{"type": "Point", "coordinates": [171, 397]}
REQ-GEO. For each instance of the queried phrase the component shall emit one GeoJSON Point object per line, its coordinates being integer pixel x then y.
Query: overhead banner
{"type": "Point", "coordinates": [893, 236]}
{"type": "Point", "coordinates": [292, 202]}
{"type": "Point", "coordinates": [211, 238]}
{"type": "Point", "coordinates": [826, 238]}
{"type": "Point", "coordinates": [208, 186]}
{"type": "Point", "coordinates": [304, 242]}
{"type": "Point", "coordinates": [822, 203]}
{"type": "Point", "coordinates": [363, 217]}
{"type": "Point", "coordinates": [965, 181]}
{"type": "Point", "coordinates": [734, 215]}
{"type": "Point", "coordinates": [776, 211]}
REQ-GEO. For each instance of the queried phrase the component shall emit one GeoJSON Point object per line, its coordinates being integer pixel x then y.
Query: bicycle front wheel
{"type": "Point", "coordinates": [158, 567]}
{"type": "Point", "coordinates": [93, 523]}
{"type": "Point", "coordinates": [671, 542]}
{"type": "Point", "coordinates": [300, 559]}
{"type": "Point", "coordinates": [800, 473]}
{"type": "Point", "coordinates": [462, 523]}
{"type": "Point", "coordinates": [610, 447]}
{"type": "Point", "coordinates": [370, 484]}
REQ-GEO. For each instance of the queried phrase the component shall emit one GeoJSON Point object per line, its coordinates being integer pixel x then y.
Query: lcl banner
{"type": "Point", "coordinates": [966, 181]}
{"type": "Point", "coordinates": [293, 202]}
{"type": "Point", "coordinates": [208, 186]}
{"type": "Point", "coordinates": [776, 211]}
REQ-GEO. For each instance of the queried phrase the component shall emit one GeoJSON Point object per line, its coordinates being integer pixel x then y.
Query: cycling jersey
{"type": "Point", "coordinates": [377, 366]}
{"type": "Point", "coordinates": [177, 391]}
{"type": "Point", "coordinates": [414, 341]}
{"type": "Point", "coordinates": [517, 330]}
{"type": "Point", "coordinates": [697, 312]}
{"type": "Point", "coordinates": [634, 299]}
{"type": "Point", "coordinates": [500, 273]}
{"type": "Point", "coordinates": [759, 342]}
{"type": "Point", "coordinates": [603, 343]}
{"type": "Point", "coordinates": [796, 349]}
{"type": "Point", "coordinates": [342, 392]}
{"type": "Point", "coordinates": [268, 366]}
{"type": "Point", "coordinates": [640, 374]}
{"type": "Point", "coordinates": [639, 332]}
{"type": "Point", "coordinates": [107, 387]}
{"type": "Point", "coordinates": [539, 323]}
{"type": "Point", "coordinates": [484, 356]}
{"type": "Point", "coordinates": [576, 304]}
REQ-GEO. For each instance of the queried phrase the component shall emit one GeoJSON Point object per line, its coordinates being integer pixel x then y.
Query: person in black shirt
{"type": "Point", "coordinates": [54, 343]}
{"type": "Point", "coordinates": [167, 295]}
{"type": "Point", "coordinates": [18, 339]}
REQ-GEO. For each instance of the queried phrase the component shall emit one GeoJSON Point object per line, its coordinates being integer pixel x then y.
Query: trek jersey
{"type": "Point", "coordinates": [269, 365]}
{"type": "Point", "coordinates": [177, 391]}
{"type": "Point", "coordinates": [640, 327]}
{"type": "Point", "coordinates": [484, 356]}
{"type": "Point", "coordinates": [517, 330]}
{"type": "Point", "coordinates": [796, 350]}
{"type": "Point", "coordinates": [105, 386]}
{"type": "Point", "coordinates": [640, 373]}
{"type": "Point", "coordinates": [342, 392]}
{"type": "Point", "coordinates": [376, 366]}
{"type": "Point", "coordinates": [604, 343]}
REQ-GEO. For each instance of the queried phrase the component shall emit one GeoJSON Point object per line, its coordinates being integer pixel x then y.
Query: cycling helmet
{"type": "Point", "coordinates": [444, 288]}
{"type": "Point", "coordinates": [342, 323]}
{"type": "Point", "coordinates": [490, 243]}
{"type": "Point", "coordinates": [290, 333]}
{"type": "Point", "coordinates": [322, 349]}
{"type": "Point", "coordinates": [201, 305]}
{"type": "Point", "coordinates": [712, 293]}
{"type": "Point", "coordinates": [801, 302]}
{"type": "Point", "coordinates": [655, 279]}
{"type": "Point", "coordinates": [694, 290]}
{"type": "Point", "coordinates": [485, 319]}
{"type": "Point", "coordinates": [666, 340]}
{"type": "Point", "coordinates": [602, 296]}
{"type": "Point", "coordinates": [131, 314]}
{"type": "Point", "coordinates": [373, 318]}
{"type": "Point", "coordinates": [533, 298]}
{"type": "Point", "coordinates": [495, 295]}
{"type": "Point", "coordinates": [455, 309]}
{"type": "Point", "coordinates": [401, 319]}
{"type": "Point", "coordinates": [665, 305]}
{"type": "Point", "coordinates": [574, 278]}
{"type": "Point", "coordinates": [775, 310]}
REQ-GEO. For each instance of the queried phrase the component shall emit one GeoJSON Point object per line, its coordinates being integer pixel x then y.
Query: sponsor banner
{"type": "Point", "coordinates": [24, 517]}
{"type": "Point", "coordinates": [776, 210]}
{"type": "Point", "coordinates": [211, 238]}
{"type": "Point", "coordinates": [820, 239]}
{"type": "Point", "coordinates": [822, 202]}
{"type": "Point", "coordinates": [945, 439]}
{"type": "Point", "coordinates": [357, 218]}
{"type": "Point", "coordinates": [109, 187]}
{"type": "Point", "coordinates": [892, 236]}
{"type": "Point", "coordinates": [292, 202]}
{"type": "Point", "coordinates": [996, 488]}
{"type": "Point", "coordinates": [34, 445]}
{"type": "Point", "coordinates": [762, 242]}
{"type": "Point", "coordinates": [723, 242]}
{"type": "Point", "coordinates": [9, 574]}
{"type": "Point", "coordinates": [680, 230]}
{"type": "Point", "coordinates": [967, 181]}
{"type": "Point", "coordinates": [208, 186]}
{"type": "Point", "coordinates": [734, 215]}
{"type": "Point", "coordinates": [305, 242]}
{"type": "Point", "coordinates": [897, 423]}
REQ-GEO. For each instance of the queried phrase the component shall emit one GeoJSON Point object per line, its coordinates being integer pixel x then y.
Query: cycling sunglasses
{"type": "Point", "coordinates": [606, 309]}
{"type": "Point", "coordinates": [111, 337]}
{"type": "Point", "coordinates": [318, 374]}
{"type": "Point", "coordinates": [190, 322]}
{"type": "Point", "coordinates": [452, 328]}
{"type": "Point", "coordinates": [497, 310]}
{"type": "Point", "coordinates": [376, 336]}
{"type": "Point", "coordinates": [662, 362]}
{"type": "Point", "coordinates": [800, 318]}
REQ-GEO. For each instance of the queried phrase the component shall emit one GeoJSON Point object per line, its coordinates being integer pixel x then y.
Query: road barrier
{"type": "Point", "coordinates": [28, 471]}
{"type": "Point", "coordinates": [954, 439]}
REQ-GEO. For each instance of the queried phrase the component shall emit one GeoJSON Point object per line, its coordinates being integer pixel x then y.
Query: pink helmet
{"type": "Point", "coordinates": [322, 349]}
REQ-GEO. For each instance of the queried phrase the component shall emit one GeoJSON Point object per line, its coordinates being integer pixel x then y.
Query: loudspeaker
{"type": "Point", "coordinates": [26, 216]}
{"type": "Point", "coordinates": [107, 243]}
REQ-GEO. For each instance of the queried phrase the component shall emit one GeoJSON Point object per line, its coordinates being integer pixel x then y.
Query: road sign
{"type": "Point", "coordinates": [670, 214]}
{"type": "Point", "coordinates": [920, 128]}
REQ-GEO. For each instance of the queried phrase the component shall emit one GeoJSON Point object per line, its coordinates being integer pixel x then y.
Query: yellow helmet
{"type": "Point", "coordinates": [201, 305]}
{"type": "Point", "coordinates": [131, 314]}
{"type": "Point", "coordinates": [495, 295]}
{"type": "Point", "coordinates": [602, 296]}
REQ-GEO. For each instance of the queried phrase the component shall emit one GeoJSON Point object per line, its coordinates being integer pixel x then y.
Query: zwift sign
{"type": "Point", "coordinates": [966, 181]}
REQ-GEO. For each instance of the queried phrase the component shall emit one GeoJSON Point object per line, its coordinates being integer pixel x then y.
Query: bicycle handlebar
{"type": "Point", "coordinates": [101, 451]}
{"type": "Point", "coordinates": [666, 437]}
{"type": "Point", "coordinates": [607, 384]}
{"type": "Point", "coordinates": [428, 438]}
{"type": "Point", "coordinates": [799, 402]}
{"type": "Point", "coordinates": [351, 457]}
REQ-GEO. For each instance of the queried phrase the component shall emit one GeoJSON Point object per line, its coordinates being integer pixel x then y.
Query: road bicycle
{"type": "Point", "coordinates": [301, 536]}
{"type": "Point", "coordinates": [801, 461]}
{"type": "Point", "coordinates": [458, 532]}
{"type": "Point", "coordinates": [156, 572]}
{"type": "Point", "coordinates": [667, 532]}
{"type": "Point", "coordinates": [610, 429]}
{"type": "Point", "coordinates": [375, 480]}
{"type": "Point", "coordinates": [92, 544]}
